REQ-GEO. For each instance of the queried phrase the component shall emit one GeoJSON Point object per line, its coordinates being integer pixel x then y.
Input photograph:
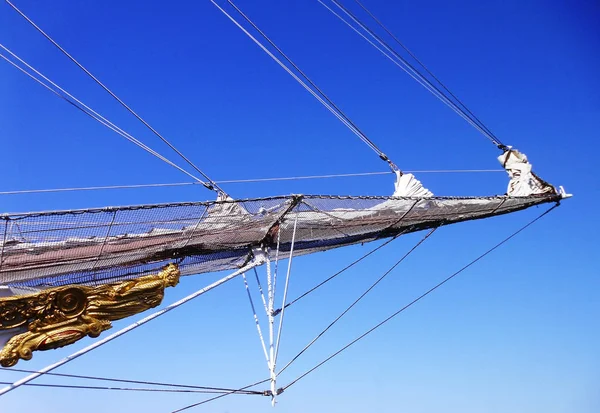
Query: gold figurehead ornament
{"type": "Point", "coordinates": [60, 316]}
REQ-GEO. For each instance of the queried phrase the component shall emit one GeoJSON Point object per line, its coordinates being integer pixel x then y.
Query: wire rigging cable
{"type": "Point", "coordinates": [134, 389]}
{"type": "Point", "coordinates": [210, 184]}
{"type": "Point", "coordinates": [408, 70]}
{"type": "Point", "coordinates": [241, 181]}
{"type": "Point", "coordinates": [438, 285]}
{"type": "Point", "coordinates": [347, 267]}
{"type": "Point", "coordinates": [455, 104]}
{"type": "Point", "coordinates": [220, 396]}
{"type": "Point", "coordinates": [256, 321]}
{"type": "Point", "coordinates": [367, 291]}
{"type": "Point", "coordinates": [114, 380]}
{"type": "Point", "coordinates": [78, 104]}
{"type": "Point", "coordinates": [312, 89]}
{"type": "Point", "coordinates": [411, 54]}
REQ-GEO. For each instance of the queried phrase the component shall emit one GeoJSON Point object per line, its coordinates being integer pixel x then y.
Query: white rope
{"type": "Point", "coordinates": [285, 291]}
{"type": "Point", "coordinates": [260, 335]}
{"type": "Point", "coordinates": [240, 181]}
{"type": "Point", "coordinates": [260, 289]}
{"type": "Point", "coordinates": [276, 267]}
{"type": "Point", "coordinates": [271, 283]}
{"type": "Point", "coordinates": [256, 262]}
{"type": "Point", "coordinates": [271, 320]}
{"type": "Point", "coordinates": [62, 93]}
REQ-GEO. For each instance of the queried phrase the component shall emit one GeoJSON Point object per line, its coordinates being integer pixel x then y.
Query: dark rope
{"type": "Point", "coordinates": [358, 299]}
{"type": "Point", "coordinates": [211, 185]}
{"type": "Point", "coordinates": [151, 383]}
{"type": "Point", "coordinates": [420, 297]}
{"type": "Point", "coordinates": [473, 117]}
{"type": "Point", "coordinates": [267, 393]}
{"type": "Point", "coordinates": [361, 134]}
{"type": "Point", "coordinates": [70, 386]}
{"type": "Point", "coordinates": [490, 136]}
{"type": "Point", "coordinates": [301, 296]}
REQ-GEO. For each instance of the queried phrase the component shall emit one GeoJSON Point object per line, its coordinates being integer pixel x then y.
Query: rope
{"type": "Point", "coordinates": [240, 181]}
{"type": "Point", "coordinates": [408, 70]}
{"type": "Point", "coordinates": [285, 292]}
{"type": "Point", "coordinates": [72, 386]}
{"type": "Point", "coordinates": [260, 290]}
{"type": "Point", "coordinates": [355, 128]}
{"type": "Point", "coordinates": [260, 335]}
{"type": "Point", "coordinates": [78, 104]}
{"type": "Point", "coordinates": [322, 283]}
{"type": "Point", "coordinates": [412, 71]}
{"type": "Point", "coordinates": [322, 99]}
{"type": "Point", "coordinates": [210, 186]}
{"type": "Point", "coordinates": [271, 300]}
{"type": "Point", "coordinates": [219, 396]}
{"type": "Point", "coordinates": [313, 341]}
{"type": "Point", "coordinates": [420, 297]}
{"type": "Point", "coordinates": [411, 54]}
{"type": "Point", "coordinates": [109, 379]}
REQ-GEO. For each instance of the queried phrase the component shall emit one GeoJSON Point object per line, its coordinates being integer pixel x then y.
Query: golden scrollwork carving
{"type": "Point", "coordinates": [63, 315]}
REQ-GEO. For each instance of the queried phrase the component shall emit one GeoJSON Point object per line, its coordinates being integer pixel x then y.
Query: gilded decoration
{"type": "Point", "coordinates": [60, 316]}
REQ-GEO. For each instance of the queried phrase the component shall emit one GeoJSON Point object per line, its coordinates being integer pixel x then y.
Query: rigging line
{"type": "Point", "coordinates": [423, 295]}
{"type": "Point", "coordinates": [313, 341]}
{"type": "Point", "coordinates": [260, 289]}
{"type": "Point", "coordinates": [285, 292]}
{"type": "Point", "coordinates": [411, 72]}
{"type": "Point", "coordinates": [241, 181]}
{"type": "Point", "coordinates": [98, 117]}
{"type": "Point", "coordinates": [277, 250]}
{"type": "Point", "coordinates": [73, 386]}
{"type": "Point", "coordinates": [301, 296]}
{"type": "Point", "coordinates": [260, 335]}
{"type": "Point", "coordinates": [363, 136]}
{"type": "Point", "coordinates": [211, 185]}
{"type": "Point", "coordinates": [110, 379]}
{"type": "Point", "coordinates": [291, 73]}
{"type": "Point", "coordinates": [219, 396]}
{"type": "Point", "coordinates": [90, 112]}
{"type": "Point", "coordinates": [272, 283]}
{"type": "Point", "coordinates": [494, 140]}
{"type": "Point", "coordinates": [411, 54]}
{"type": "Point", "coordinates": [270, 317]}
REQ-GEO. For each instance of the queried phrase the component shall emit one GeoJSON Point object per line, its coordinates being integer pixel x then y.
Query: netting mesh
{"type": "Point", "coordinates": [97, 246]}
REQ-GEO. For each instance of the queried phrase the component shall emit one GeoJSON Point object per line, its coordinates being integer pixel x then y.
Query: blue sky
{"type": "Point", "coordinates": [517, 332]}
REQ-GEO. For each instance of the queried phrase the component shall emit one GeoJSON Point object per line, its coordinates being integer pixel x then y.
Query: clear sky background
{"type": "Point", "coordinates": [518, 332]}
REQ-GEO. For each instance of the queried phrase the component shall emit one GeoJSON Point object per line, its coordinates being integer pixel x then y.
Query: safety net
{"type": "Point", "coordinates": [97, 246]}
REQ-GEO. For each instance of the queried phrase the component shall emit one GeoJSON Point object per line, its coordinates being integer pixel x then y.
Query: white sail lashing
{"type": "Point", "coordinates": [409, 186]}
{"type": "Point", "coordinates": [523, 182]}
